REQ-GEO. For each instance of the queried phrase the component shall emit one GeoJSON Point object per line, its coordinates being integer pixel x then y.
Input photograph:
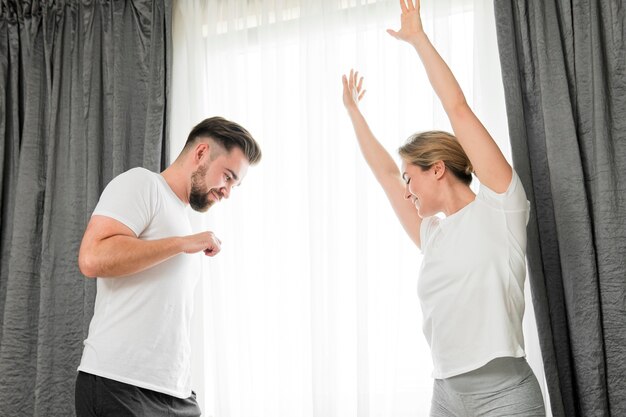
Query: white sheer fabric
{"type": "Point", "coordinates": [311, 307]}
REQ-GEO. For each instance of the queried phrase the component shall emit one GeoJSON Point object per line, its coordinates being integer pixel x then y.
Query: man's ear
{"type": "Point", "coordinates": [439, 168]}
{"type": "Point", "coordinates": [201, 152]}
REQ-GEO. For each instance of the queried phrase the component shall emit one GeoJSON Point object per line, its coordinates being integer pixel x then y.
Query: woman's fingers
{"type": "Point", "coordinates": [353, 84]}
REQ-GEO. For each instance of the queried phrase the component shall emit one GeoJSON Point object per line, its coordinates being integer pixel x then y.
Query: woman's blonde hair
{"type": "Point", "coordinates": [426, 148]}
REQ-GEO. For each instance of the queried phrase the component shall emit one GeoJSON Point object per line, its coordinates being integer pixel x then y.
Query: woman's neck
{"type": "Point", "coordinates": [458, 195]}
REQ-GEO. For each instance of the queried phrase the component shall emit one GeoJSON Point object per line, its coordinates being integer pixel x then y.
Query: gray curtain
{"type": "Point", "coordinates": [83, 97]}
{"type": "Point", "coordinates": [564, 72]}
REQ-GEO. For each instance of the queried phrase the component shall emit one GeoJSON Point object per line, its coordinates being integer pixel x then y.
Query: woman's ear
{"type": "Point", "coordinates": [439, 168]}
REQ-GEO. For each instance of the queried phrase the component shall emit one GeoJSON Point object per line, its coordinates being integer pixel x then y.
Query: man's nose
{"type": "Point", "coordinates": [225, 191]}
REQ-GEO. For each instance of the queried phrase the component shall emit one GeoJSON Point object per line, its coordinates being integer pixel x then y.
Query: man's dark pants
{"type": "Point", "coordinates": [101, 397]}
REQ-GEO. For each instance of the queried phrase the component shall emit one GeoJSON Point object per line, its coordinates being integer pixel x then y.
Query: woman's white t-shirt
{"type": "Point", "coordinates": [140, 330]}
{"type": "Point", "coordinates": [471, 283]}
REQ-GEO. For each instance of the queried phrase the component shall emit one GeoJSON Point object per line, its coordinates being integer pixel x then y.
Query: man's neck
{"type": "Point", "coordinates": [178, 180]}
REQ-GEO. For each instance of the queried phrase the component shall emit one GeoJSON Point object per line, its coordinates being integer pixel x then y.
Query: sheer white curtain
{"type": "Point", "coordinates": [311, 307]}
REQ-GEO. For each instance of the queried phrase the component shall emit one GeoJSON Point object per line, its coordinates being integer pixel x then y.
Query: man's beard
{"type": "Point", "coordinates": [199, 196]}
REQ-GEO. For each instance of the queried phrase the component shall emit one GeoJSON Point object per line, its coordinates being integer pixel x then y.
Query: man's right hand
{"type": "Point", "coordinates": [205, 241]}
{"type": "Point", "coordinates": [110, 249]}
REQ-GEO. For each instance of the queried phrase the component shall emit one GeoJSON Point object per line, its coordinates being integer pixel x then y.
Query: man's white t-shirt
{"type": "Point", "coordinates": [471, 284]}
{"type": "Point", "coordinates": [140, 330]}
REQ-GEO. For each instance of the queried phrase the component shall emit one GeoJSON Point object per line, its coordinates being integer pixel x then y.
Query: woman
{"type": "Point", "coordinates": [472, 275]}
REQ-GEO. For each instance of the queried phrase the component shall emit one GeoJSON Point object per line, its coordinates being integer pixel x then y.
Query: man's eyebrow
{"type": "Point", "coordinates": [232, 174]}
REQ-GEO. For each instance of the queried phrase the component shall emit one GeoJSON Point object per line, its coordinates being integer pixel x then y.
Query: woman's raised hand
{"type": "Point", "coordinates": [410, 21]}
{"type": "Point", "coordinates": [352, 90]}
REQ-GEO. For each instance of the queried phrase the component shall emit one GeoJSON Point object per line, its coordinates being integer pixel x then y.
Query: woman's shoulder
{"type": "Point", "coordinates": [513, 199]}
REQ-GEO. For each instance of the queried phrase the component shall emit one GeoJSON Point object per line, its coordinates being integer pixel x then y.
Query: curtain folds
{"type": "Point", "coordinates": [563, 65]}
{"type": "Point", "coordinates": [83, 97]}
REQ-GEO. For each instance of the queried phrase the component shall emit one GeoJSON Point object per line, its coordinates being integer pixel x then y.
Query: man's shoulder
{"type": "Point", "coordinates": [138, 172]}
{"type": "Point", "coordinates": [134, 182]}
{"type": "Point", "coordinates": [133, 191]}
{"type": "Point", "coordinates": [137, 175]}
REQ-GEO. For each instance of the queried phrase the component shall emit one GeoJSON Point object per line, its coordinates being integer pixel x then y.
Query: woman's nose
{"type": "Point", "coordinates": [407, 193]}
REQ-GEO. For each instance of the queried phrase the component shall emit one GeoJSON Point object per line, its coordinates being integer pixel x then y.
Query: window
{"type": "Point", "coordinates": [311, 308]}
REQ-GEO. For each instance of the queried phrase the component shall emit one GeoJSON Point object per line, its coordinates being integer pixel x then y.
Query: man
{"type": "Point", "coordinates": [139, 243]}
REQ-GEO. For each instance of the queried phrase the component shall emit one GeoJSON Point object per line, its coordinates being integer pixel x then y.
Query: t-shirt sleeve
{"type": "Point", "coordinates": [513, 199]}
{"type": "Point", "coordinates": [130, 198]}
{"type": "Point", "coordinates": [429, 224]}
